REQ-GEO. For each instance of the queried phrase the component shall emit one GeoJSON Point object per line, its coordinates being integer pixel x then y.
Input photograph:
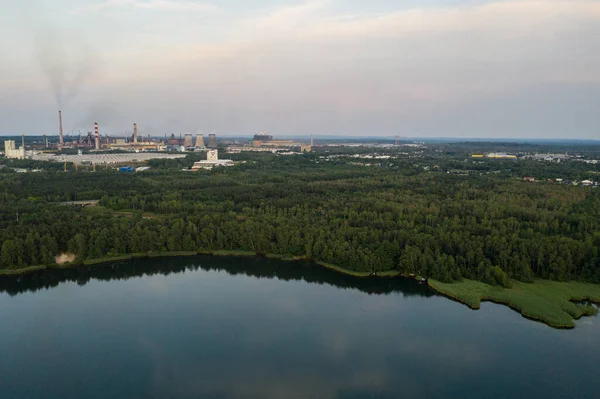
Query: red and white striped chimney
{"type": "Point", "coordinates": [97, 135]}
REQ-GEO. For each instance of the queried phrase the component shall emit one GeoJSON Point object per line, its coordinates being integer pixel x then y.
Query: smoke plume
{"type": "Point", "coordinates": [68, 62]}
{"type": "Point", "coordinates": [107, 113]}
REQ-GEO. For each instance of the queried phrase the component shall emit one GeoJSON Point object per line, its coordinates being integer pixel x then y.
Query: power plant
{"type": "Point", "coordinates": [131, 142]}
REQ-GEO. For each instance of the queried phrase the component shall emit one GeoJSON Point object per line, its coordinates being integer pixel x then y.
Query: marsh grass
{"type": "Point", "coordinates": [549, 302]}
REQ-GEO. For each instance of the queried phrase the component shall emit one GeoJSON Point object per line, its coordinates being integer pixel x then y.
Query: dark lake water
{"type": "Point", "coordinates": [246, 328]}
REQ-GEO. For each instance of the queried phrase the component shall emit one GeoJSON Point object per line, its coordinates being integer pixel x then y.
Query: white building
{"type": "Point", "coordinates": [212, 160]}
{"type": "Point", "coordinates": [11, 151]}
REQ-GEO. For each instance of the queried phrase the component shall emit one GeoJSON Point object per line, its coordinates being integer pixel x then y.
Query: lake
{"type": "Point", "coordinates": [210, 327]}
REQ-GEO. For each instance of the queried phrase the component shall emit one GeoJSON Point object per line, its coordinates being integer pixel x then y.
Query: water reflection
{"type": "Point", "coordinates": [250, 328]}
{"type": "Point", "coordinates": [254, 267]}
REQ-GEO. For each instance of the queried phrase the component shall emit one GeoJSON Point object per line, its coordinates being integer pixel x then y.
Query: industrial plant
{"type": "Point", "coordinates": [97, 148]}
{"type": "Point", "coordinates": [141, 147]}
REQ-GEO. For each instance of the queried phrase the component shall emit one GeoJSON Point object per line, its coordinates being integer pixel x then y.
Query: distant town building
{"type": "Point", "coordinates": [11, 151]}
{"type": "Point", "coordinates": [500, 155]}
{"type": "Point", "coordinates": [262, 137]}
{"type": "Point", "coordinates": [264, 140]}
{"type": "Point", "coordinates": [529, 178]}
{"type": "Point", "coordinates": [212, 160]}
{"type": "Point", "coordinates": [212, 155]}
{"type": "Point", "coordinates": [172, 140]}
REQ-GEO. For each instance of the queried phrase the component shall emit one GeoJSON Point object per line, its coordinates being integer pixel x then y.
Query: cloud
{"type": "Point", "coordinates": [316, 66]}
{"type": "Point", "coordinates": [152, 5]}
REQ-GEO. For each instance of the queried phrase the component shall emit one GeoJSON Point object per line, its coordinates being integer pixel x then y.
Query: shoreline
{"type": "Point", "coordinates": [232, 253]}
{"type": "Point", "coordinates": [561, 315]}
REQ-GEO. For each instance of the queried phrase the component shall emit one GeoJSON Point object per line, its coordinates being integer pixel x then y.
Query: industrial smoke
{"type": "Point", "coordinates": [67, 62]}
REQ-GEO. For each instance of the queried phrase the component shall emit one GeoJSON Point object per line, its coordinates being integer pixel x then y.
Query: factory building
{"type": "Point", "coordinates": [264, 140]}
{"type": "Point", "coordinates": [500, 155]}
{"type": "Point", "coordinates": [11, 151]}
{"type": "Point", "coordinates": [212, 160]}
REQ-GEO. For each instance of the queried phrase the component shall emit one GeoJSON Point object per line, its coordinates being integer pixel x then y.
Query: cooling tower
{"type": "Point", "coordinates": [200, 141]}
{"type": "Point", "coordinates": [187, 142]}
{"type": "Point", "coordinates": [212, 141]}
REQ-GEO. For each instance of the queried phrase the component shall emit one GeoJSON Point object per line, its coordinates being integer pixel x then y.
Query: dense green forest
{"type": "Point", "coordinates": [400, 214]}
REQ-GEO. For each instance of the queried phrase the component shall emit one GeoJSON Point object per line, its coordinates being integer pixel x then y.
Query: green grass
{"type": "Point", "coordinates": [342, 270]}
{"type": "Point", "coordinates": [98, 261]}
{"type": "Point", "coordinates": [391, 273]}
{"type": "Point", "coordinates": [549, 302]}
{"type": "Point", "coordinates": [278, 256]}
{"type": "Point", "coordinates": [25, 270]}
{"type": "Point", "coordinates": [139, 255]}
{"type": "Point", "coordinates": [171, 254]}
{"type": "Point", "coordinates": [232, 253]}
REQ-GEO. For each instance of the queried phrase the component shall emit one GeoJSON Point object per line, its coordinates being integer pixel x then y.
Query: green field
{"type": "Point", "coordinates": [549, 302]}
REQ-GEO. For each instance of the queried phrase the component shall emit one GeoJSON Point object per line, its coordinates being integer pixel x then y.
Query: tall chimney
{"type": "Point", "coordinates": [97, 135]}
{"type": "Point", "coordinates": [23, 140]}
{"type": "Point", "coordinates": [60, 129]}
{"type": "Point", "coordinates": [135, 140]}
{"type": "Point", "coordinates": [311, 140]}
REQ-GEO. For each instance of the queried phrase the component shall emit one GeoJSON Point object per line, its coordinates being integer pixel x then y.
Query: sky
{"type": "Point", "coordinates": [429, 68]}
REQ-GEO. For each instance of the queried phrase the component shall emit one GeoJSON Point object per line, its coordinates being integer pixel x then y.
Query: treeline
{"type": "Point", "coordinates": [364, 219]}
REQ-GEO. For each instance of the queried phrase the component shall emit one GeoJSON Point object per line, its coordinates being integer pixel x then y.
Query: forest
{"type": "Point", "coordinates": [396, 215]}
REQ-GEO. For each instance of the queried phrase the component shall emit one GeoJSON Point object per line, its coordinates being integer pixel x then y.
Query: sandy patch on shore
{"type": "Point", "coordinates": [61, 259]}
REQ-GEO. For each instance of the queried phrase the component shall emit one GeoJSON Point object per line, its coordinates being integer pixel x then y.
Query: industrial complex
{"type": "Point", "coordinates": [98, 148]}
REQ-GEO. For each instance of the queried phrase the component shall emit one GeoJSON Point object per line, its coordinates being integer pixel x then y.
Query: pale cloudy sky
{"type": "Point", "coordinates": [466, 68]}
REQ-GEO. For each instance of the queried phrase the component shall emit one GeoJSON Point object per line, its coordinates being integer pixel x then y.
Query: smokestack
{"type": "Point", "coordinates": [23, 140]}
{"type": "Point", "coordinates": [135, 140]}
{"type": "Point", "coordinates": [311, 140]}
{"type": "Point", "coordinates": [97, 135]}
{"type": "Point", "coordinates": [60, 129]}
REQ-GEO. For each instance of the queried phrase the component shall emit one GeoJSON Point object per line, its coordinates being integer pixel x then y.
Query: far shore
{"type": "Point", "coordinates": [548, 302]}
{"type": "Point", "coordinates": [233, 253]}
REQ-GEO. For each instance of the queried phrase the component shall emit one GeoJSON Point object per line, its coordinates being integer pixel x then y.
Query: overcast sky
{"type": "Point", "coordinates": [461, 68]}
